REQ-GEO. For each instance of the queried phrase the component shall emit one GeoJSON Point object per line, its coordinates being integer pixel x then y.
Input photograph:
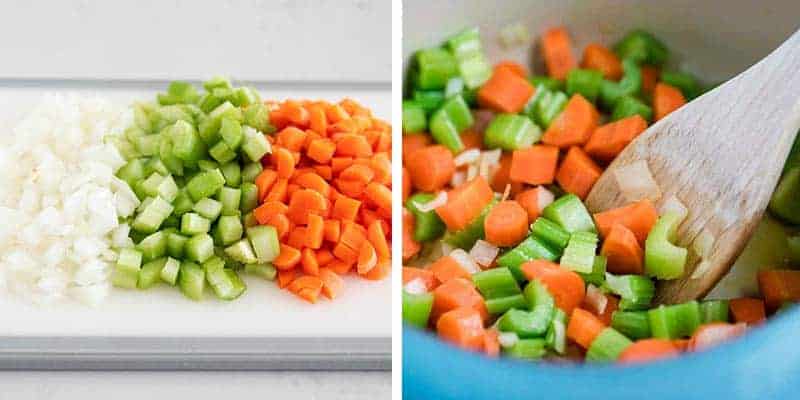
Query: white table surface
{"type": "Point", "coordinates": [254, 40]}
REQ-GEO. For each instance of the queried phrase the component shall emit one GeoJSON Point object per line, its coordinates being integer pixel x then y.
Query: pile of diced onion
{"type": "Point", "coordinates": [60, 203]}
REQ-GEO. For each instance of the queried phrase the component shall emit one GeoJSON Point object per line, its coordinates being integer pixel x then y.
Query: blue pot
{"type": "Point", "coordinates": [763, 364]}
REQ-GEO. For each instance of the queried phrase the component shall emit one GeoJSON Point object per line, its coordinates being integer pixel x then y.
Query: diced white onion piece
{"type": "Point", "coordinates": [415, 286]}
{"type": "Point", "coordinates": [674, 205]}
{"type": "Point", "coordinates": [507, 339]}
{"type": "Point", "coordinates": [545, 197]}
{"type": "Point", "coordinates": [704, 243]}
{"type": "Point", "coordinates": [470, 156]}
{"type": "Point", "coordinates": [514, 35]}
{"type": "Point", "coordinates": [436, 202]}
{"type": "Point", "coordinates": [491, 157]}
{"type": "Point", "coordinates": [701, 269]}
{"type": "Point", "coordinates": [489, 164]}
{"type": "Point", "coordinates": [472, 172]}
{"type": "Point", "coordinates": [636, 182]}
{"type": "Point", "coordinates": [465, 261]}
{"type": "Point", "coordinates": [483, 253]}
{"type": "Point", "coordinates": [459, 177]}
{"type": "Point", "coordinates": [596, 299]}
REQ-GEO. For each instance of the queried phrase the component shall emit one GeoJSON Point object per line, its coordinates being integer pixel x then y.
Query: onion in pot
{"type": "Point", "coordinates": [484, 253]}
{"type": "Point", "coordinates": [465, 261]}
{"type": "Point", "coordinates": [436, 202]}
{"type": "Point", "coordinates": [596, 298]}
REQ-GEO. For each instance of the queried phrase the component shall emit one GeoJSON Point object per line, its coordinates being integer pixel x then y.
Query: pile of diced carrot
{"type": "Point", "coordinates": [326, 188]}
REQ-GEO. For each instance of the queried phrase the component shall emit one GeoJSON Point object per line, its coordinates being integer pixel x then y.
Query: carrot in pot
{"type": "Point", "coordinates": [612, 304]}
{"type": "Point", "coordinates": [638, 217]}
{"type": "Point", "coordinates": [462, 327]}
{"type": "Point", "coordinates": [464, 203]}
{"type": "Point", "coordinates": [666, 99]}
{"type": "Point", "coordinates": [505, 91]}
{"type": "Point", "coordinates": [715, 333]}
{"type": "Point", "coordinates": [778, 286]}
{"type": "Point", "coordinates": [512, 66]}
{"type": "Point", "coordinates": [600, 58]}
{"type": "Point", "coordinates": [578, 173]}
{"type": "Point", "coordinates": [556, 49]}
{"type": "Point", "coordinates": [584, 327]}
{"type": "Point", "coordinates": [457, 293]}
{"type": "Point", "coordinates": [748, 310]}
{"type": "Point", "coordinates": [412, 143]}
{"type": "Point", "coordinates": [425, 276]}
{"type": "Point", "coordinates": [574, 125]}
{"type": "Point", "coordinates": [506, 224]}
{"type": "Point", "coordinates": [650, 76]}
{"type": "Point", "coordinates": [623, 253]}
{"type": "Point", "coordinates": [430, 168]}
{"type": "Point", "coordinates": [566, 287]}
{"type": "Point", "coordinates": [447, 268]}
{"type": "Point", "coordinates": [530, 200]}
{"type": "Point", "coordinates": [406, 184]}
{"type": "Point", "coordinates": [410, 246]}
{"type": "Point", "coordinates": [646, 350]}
{"type": "Point", "coordinates": [608, 140]}
{"type": "Point", "coordinates": [535, 165]}
{"type": "Point", "coordinates": [472, 140]}
{"type": "Point", "coordinates": [681, 344]}
{"type": "Point", "coordinates": [491, 343]}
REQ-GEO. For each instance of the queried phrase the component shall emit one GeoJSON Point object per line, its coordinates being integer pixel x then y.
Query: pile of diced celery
{"type": "Point", "coordinates": [192, 158]}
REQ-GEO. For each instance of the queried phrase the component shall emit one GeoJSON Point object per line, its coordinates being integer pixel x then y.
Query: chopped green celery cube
{"type": "Point", "coordinates": [633, 324]}
{"type": "Point", "coordinates": [264, 270]}
{"type": "Point", "coordinates": [434, 67]}
{"type": "Point", "coordinates": [222, 152]}
{"type": "Point", "coordinates": [556, 337]}
{"type": "Point", "coordinates": [500, 305]}
{"type": "Point", "coordinates": [169, 273]}
{"type": "Point", "coordinates": [153, 246]}
{"type": "Point", "coordinates": [580, 252]}
{"type": "Point", "coordinates": [629, 85]}
{"type": "Point", "coordinates": [417, 308]}
{"type": "Point", "coordinates": [205, 184]}
{"type": "Point", "coordinates": [496, 282]}
{"type": "Point", "coordinates": [467, 237]}
{"type": "Point", "coordinates": [186, 142]}
{"type": "Point", "coordinates": [184, 92]}
{"type": "Point", "coordinates": [526, 324]}
{"type": "Point", "coordinates": [251, 171]}
{"type": "Point", "coordinates": [527, 349]}
{"type": "Point", "coordinates": [173, 221]}
{"type": "Point", "coordinates": [231, 132]}
{"type": "Point", "coordinates": [209, 102]}
{"type": "Point", "coordinates": [255, 144]}
{"type": "Point", "coordinates": [143, 116]}
{"type": "Point", "coordinates": [683, 81]}
{"type": "Point", "coordinates": [156, 165]}
{"type": "Point", "coordinates": [207, 165]}
{"type": "Point", "coordinates": [225, 283]}
{"type": "Point", "coordinates": [663, 259]}
{"type": "Point", "coordinates": [414, 120]}
{"type": "Point", "coordinates": [192, 280]}
{"type": "Point", "coordinates": [183, 203]}
{"type": "Point", "coordinates": [585, 82]}
{"type": "Point", "coordinates": [511, 132]}
{"type": "Point", "coordinates": [228, 230]}
{"type": "Point", "coordinates": [714, 311]}
{"type": "Point", "coordinates": [466, 43]}
{"type": "Point", "coordinates": [550, 233]}
{"type": "Point", "coordinates": [429, 100]}
{"type": "Point", "coordinates": [549, 83]}
{"type": "Point", "coordinates": [635, 291]}
{"type": "Point", "coordinates": [642, 47]}
{"type": "Point", "coordinates": [173, 163]}
{"type": "Point", "coordinates": [193, 224]}
{"type": "Point", "coordinates": [217, 82]}
{"type": "Point", "coordinates": [175, 244]}
{"type": "Point", "coordinates": [150, 273]}
{"type": "Point", "coordinates": [628, 106]}
{"type": "Point", "coordinates": [132, 172]}
{"type": "Point", "coordinates": [447, 123]}
{"type": "Point", "coordinates": [150, 218]}
{"type": "Point", "coordinates": [540, 301]}
{"type": "Point", "coordinates": [229, 198]}
{"type": "Point", "coordinates": [607, 346]}
{"type": "Point", "coordinates": [249, 199]}
{"type": "Point", "coordinates": [209, 209]}
{"type": "Point", "coordinates": [249, 220]}
{"type": "Point", "coordinates": [475, 70]}
{"type": "Point", "coordinates": [598, 275]}
{"type": "Point", "coordinates": [783, 203]}
{"type": "Point", "coordinates": [264, 240]}
{"type": "Point", "coordinates": [569, 212]}
{"type": "Point", "coordinates": [199, 247]}
{"type": "Point", "coordinates": [674, 321]}
{"type": "Point", "coordinates": [158, 185]}
{"type": "Point", "coordinates": [126, 149]}
{"type": "Point", "coordinates": [244, 96]}
{"type": "Point", "coordinates": [472, 65]}
{"type": "Point", "coordinates": [427, 225]}
{"type": "Point", "coordinates": [545, 105]}
{"type": "Point", "coordinates": [232, 173]}
{"type": "Point", "coordinates": [126, 271]}
{"type": "Point", "coordinates": [165, 116]}
{"type": "Point", "coordinates": [256, 115]}
{"type": "Point", "coordinates": [242, 252]}
{"type": "Point", "coordinates": [147, 145]}
{"type": "Point", "coordinates": [527, 250]}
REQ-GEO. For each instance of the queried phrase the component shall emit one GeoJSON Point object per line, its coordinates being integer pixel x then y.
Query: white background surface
{"type": "Point", "coordinates": [307, 41]}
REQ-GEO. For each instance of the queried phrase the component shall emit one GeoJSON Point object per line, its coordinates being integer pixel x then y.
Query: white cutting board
{"type": "Point", "coordinates": [326, 49]}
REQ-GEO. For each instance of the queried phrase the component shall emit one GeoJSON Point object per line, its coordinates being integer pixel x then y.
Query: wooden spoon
{"type": "Point", "coordinates": [721, 155]}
